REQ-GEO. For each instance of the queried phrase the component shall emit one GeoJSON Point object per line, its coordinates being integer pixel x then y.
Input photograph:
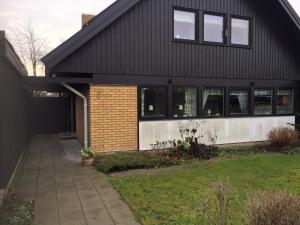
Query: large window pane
{"type": "Point", "coordinates": [184, 25]}
{"type": "Point", "coordinates": [285, 102]}
{"type": "Point", "coordinates": [263, 99]}
{"type": "Point", "coordinates": [239, 102]}
{"type": "Point", "coordinates": [153, 102]}
{"type": "Point", "coordinates": [184, 102]}
{"type": "Point", "coordinates": [213, 28]}
{"type": "Point", "coordinates": [240, 31]}
{"type": "Point", "coordinates": [213, 102]}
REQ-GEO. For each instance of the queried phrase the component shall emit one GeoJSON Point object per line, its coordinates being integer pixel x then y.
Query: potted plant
{"type": "Point", "coordinates": [88, 157]}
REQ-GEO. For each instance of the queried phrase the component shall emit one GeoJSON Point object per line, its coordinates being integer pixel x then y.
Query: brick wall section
{"type": "Point", "coordinates": [113, 118]}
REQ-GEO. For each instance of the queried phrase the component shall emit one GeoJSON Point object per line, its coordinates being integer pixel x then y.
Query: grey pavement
{"type": "Point", "coordinates": [64, 192]}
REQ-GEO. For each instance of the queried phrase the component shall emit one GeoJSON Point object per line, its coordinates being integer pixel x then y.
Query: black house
{"type": "Point", "coordinates": [148, 66]}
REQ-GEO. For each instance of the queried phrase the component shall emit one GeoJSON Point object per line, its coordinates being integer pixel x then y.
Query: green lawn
{"type": "Point", "coordinates": [174, 198]}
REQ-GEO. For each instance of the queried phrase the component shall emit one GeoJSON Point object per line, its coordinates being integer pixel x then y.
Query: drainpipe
{"type": "Point", "coordinates": [85, 111]}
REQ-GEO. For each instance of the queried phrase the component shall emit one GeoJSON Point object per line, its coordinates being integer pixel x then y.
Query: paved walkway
{"type": "Point", "coordinates": [65, 193]}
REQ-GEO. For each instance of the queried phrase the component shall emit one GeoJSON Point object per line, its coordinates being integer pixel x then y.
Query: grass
{"type": "Point", "coordinates": [175, 198]}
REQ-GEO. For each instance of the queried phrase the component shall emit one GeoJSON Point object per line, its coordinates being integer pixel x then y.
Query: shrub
{"type": "Point", "coordinates": [274, 209]}
{"type": "Point", "coordinates": [108, 163]}
{"type": "Point", "coordinates": [190, 145]}
{"type": "Point", "coordinates": [202, 151]}
{"type": "Point", "coordinates": [194, 150]}
{"type": "Point", "coordinates": [283, 137]}
{"type": "Point", "coordinates": [182, 146]}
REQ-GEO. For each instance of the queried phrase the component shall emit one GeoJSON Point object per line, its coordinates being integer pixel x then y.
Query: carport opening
{"type": "Point", "coordinates": [56, 110]}
{"type": "Point", "coordinates": [50, 111]}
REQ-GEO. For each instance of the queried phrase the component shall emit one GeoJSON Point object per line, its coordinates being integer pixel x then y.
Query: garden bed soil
{"type": "Point", "coordinates": [11, 204]}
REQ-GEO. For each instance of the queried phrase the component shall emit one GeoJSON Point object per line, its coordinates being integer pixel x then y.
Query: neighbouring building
{"type": "Point", "coordinates": [146, 66]}
{"type": "Point", "coordinates": [14, 113]}
{"type": "Point", "coordinates": [25, 110]}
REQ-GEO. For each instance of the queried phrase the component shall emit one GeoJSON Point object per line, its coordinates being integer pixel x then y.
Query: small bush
{"type": "Point", "coordinates": [22, 216]}
{"type": "Point", "coordinates": [283, 137]}
{"type": "Point", "coordinates": [191, 145]}
{"type": "Point", "coordinates": [192, 142]}
{"type": "Point", "coordinates": [108, 163]}
{"type": "Point", "coordinates": [194, 150]}
{"type": "Point", "coordinates": [274, 209]}
{"type": "Point", "coordinates": [202, 151]}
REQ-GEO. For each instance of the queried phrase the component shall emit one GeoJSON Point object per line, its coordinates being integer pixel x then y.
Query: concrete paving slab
{"type": "Point", "coordinates": [65, 193]}
{"type": "Point", "coordinates": [77, 222]}
{"type": "Point", "coordinates": [67, 197]}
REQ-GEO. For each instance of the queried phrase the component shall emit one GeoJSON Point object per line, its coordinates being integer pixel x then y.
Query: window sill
{"type": "Point", "coordinates": [213, 117]}
{"type": "Point", "coordinates": [153, 118]}
{"type": "Point", "coordinates": [182, 41]}
{"type": "Point", "coordinates": [213, 43]}
{"type": "Point", "coordinates": [209, 117]}
{"type": "Point", "coordinates": [241, 46]}
{"type": "Point", "coordinates": [185, 118]}
{"type": "Point", "coordinates": [239, 115]}
{"type": "Point", "coordinates": [185, 41]}
{"type": "Point", "coordinates": [292, 114]}
{"type": "Point", "coordinates": [273, 115]}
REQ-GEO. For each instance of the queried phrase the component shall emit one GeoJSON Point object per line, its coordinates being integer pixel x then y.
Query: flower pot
{"type": "Point", "coordinates": [88, 162]}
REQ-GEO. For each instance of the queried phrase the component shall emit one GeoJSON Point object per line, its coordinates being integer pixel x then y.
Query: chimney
{"type": "Point", "coordinates": [86, 18]}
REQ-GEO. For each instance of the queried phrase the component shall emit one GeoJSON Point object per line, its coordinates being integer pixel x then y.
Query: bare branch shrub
{"type": "Point", "coordinates": [191, 130]}
{"type": "Point", "coordinates": [283, 137]}
{"type": "Point", "coordinates": [216, 211]}
{"type": "Point", "coordinates": [274, 209]}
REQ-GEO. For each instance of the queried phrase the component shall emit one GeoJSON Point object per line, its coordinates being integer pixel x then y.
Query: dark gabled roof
{"type": "Point", "coordinates": [291, 12]}
{"type": "Point", "coordinates": [108, 16]}
{"type": "Point", "coordinates": [99, 23]}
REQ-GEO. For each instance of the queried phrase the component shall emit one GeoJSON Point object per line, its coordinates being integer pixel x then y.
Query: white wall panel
{"type": "Point", "coordinates": [228, 130]}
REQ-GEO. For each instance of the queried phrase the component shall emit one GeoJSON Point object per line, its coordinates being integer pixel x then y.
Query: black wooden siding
{"type": "Point", "coordinates": [14, 119]}
{"type": "Point", "coordinates": [140, 43]}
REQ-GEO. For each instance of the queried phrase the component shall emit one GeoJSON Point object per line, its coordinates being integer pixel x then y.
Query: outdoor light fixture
{"type": "Point", "coordinates": [209, 112]}
{"type": "Point", "coordinates": [151, 108]}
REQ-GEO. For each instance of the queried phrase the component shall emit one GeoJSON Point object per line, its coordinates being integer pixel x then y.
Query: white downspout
{"type": "Point", "coordinates": [85, 111]}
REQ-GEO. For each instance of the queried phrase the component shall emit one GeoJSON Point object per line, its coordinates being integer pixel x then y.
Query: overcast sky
{"type": "Point", "coordinates": [56, 20]}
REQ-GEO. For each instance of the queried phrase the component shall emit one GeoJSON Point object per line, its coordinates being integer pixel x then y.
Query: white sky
{"type": "Point", "coordinates": [56, 20]}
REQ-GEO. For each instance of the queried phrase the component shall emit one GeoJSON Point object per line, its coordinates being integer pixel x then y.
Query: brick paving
{"type": "Point", "coordinates": [65, 193]}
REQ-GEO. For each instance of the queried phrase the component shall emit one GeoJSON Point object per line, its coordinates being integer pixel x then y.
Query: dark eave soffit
{"type": "Point", "coordinates": [100, 22]}
{"type": "Point", "coordinates": [108, 16]}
